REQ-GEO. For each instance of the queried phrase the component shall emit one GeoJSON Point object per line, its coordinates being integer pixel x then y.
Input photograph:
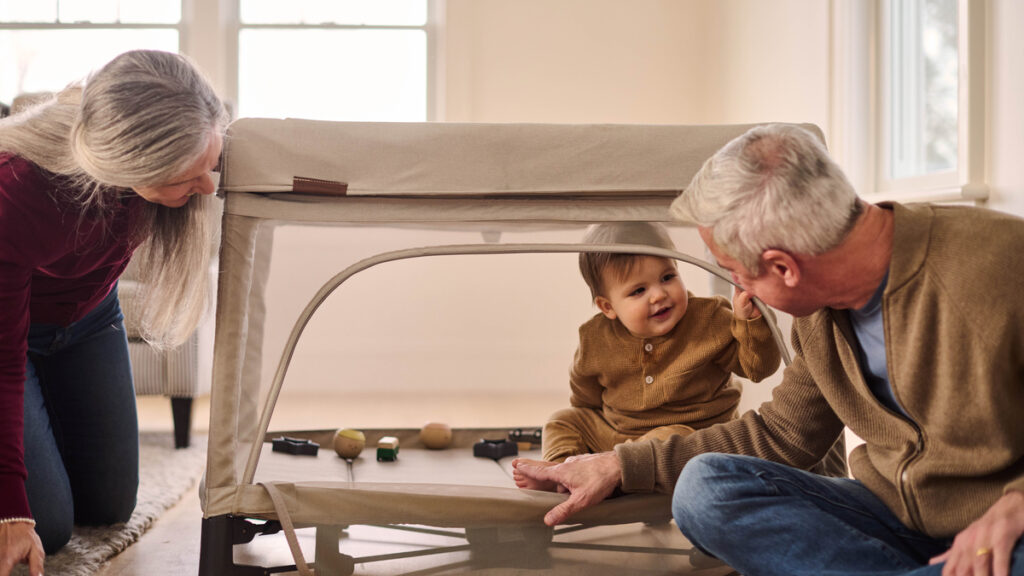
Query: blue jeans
{"type": "Point", "coordinates": [764, 518]}
{"type": "Point", "coordinates": [81, 429]}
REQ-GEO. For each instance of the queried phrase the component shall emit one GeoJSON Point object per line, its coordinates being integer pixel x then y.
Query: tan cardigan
{"type": "Point", "coordinates": [954, 328]}
{"type": "Point", "coordinates": [688, 368]}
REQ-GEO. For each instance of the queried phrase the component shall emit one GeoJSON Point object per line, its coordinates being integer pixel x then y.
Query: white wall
{"type": "Point", "coordinates": [575, 61]}
{"type": "Point", "coordinates": [490, 324]}
{"type": "Point", "coordinates": [654, 61]}
{"type": "Point", "coordinates": [1005, 113]}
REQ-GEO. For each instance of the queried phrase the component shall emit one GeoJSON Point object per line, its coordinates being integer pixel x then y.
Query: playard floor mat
{"type": "Point", "coordinates": [433, 511]}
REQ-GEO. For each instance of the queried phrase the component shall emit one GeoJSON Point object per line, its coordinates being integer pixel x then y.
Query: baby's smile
{"type": "Point", "coordinates": [661, 312]}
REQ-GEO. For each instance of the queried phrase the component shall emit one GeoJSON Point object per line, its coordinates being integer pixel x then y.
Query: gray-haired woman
{"type": "Point", "coordinates": [116, 165]}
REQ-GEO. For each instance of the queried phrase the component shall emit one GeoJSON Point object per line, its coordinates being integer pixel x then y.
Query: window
{"type": "Point", "coordinates": [919, 88]}
{"type": "Point", "coordinates": [370, 60]}
{"type": "Point", "coordinates": [46, 44]}
{"type": "Point", "coordinates": [908, 121]}
{"type": "Point", "coordinates": [329, 60]}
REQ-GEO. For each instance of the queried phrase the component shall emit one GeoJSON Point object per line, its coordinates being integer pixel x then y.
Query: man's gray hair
{"type": "Point", "coordinates": [773, 187]}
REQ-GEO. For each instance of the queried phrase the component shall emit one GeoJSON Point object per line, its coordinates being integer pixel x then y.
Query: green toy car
{"type": "Point", "coordinates": [387, 449]}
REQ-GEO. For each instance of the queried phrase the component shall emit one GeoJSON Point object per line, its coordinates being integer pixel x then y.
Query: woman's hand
{"type": "Point", "coordinates": [19, 544]}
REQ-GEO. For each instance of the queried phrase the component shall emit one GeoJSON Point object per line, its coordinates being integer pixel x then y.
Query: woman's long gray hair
{"type": "Point", "coordinates": [142, 120]}
{"type": "Point", "coordinates": [773, 187]}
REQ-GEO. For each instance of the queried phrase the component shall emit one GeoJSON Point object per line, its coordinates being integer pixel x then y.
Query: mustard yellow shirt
{"type": "Point", "coordinates": [683, 377]}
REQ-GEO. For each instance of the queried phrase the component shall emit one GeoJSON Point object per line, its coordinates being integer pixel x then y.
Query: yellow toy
{"type": "Point", "coordinates": [348, 443]}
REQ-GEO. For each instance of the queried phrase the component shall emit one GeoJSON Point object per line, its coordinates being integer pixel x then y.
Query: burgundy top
{"type": "Point", "coordinates": [54, 268]}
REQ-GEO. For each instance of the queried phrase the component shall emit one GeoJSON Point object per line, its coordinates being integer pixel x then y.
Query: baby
{"type": "Point", "coordinates": [656, 360]}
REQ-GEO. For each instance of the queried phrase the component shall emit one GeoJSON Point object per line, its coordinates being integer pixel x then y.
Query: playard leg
{"type": "Point", "coordinates": [216, 546]}
{"type": "Point", "coordinates": [329, 561]}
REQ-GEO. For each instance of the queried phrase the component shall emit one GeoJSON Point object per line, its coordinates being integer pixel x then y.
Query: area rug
{"type": "Point", "coordinates": [165, 474]}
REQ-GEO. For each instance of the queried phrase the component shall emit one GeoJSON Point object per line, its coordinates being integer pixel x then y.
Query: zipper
{"type": "Point", "coordinates": [903, 480]}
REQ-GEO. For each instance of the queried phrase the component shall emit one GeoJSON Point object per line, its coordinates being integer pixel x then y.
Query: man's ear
{"type": "Point", "coordinates": [782, 265]}
{"type": "Point", "coordinates": [605, 306]}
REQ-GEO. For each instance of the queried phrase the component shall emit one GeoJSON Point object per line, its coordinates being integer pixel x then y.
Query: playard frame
{"type": "Point", "coordinates": [456, 176]}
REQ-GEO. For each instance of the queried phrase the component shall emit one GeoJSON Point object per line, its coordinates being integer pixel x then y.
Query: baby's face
{"type": "Point", "coordinates": [649, 301]}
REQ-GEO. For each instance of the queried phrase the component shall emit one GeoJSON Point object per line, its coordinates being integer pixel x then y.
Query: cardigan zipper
{"type": "Point", "coordinates": [903, 473]}
{"type": "Point", "coordinates": [903, 480]}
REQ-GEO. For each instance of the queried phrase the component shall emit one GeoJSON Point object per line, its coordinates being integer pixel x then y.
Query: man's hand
{"type": "Point", "coordinates": [19, 544]}
{"type": "Point", "coordinates": [984, 548]}
{"type": "Point", "coordinates": [743, 307]}
{"type": "Point", "coordinates": [588, 478]}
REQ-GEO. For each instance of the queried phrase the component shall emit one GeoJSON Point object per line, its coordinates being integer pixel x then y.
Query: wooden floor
{"type": "Point", "coordinates": [171, 546]}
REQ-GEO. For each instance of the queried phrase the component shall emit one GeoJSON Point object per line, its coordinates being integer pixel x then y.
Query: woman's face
{"type": "Point", "coordinates": [198, 179]}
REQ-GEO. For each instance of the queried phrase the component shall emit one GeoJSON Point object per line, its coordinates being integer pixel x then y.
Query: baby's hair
{"type": "Point", "coordinates": [593, 264]}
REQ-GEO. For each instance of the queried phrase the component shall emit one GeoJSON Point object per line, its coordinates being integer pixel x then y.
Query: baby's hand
{"type": "Point", "coordinates": [743, 307]}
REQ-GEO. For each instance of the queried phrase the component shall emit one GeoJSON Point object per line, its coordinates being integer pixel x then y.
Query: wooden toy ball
{"type": "Point", "coordinates": [436, 435]}
{"type": "Point", "coordinates": [348, 443]}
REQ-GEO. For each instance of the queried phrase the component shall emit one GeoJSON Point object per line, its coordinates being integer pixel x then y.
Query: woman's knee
{"type": "Point", "coordinates": [110, 504]}
{"type": "Point", "coordinates": [54, 533]}
{"type": "Point", "coordinates": [51, 502]}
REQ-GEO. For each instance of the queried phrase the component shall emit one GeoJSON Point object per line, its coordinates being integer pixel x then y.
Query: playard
{"type": "Point", "coordinates": [428, 175]}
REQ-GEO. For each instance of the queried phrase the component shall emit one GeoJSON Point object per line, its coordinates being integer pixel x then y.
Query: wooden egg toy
{"type": "Point", "coordinates": [348, 443]}
{"type": "Point", "coordinates": [436, 435]}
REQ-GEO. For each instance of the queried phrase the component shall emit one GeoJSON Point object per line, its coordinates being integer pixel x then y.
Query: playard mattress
{"type": "Point", "coordinates": [427, 175]}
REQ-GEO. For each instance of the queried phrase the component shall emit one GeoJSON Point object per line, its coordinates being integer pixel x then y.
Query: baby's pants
{"type": "Point", "coordinates": [573, 431]}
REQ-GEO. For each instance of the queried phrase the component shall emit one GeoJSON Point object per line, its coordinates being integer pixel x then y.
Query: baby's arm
{"type": "Point", "coordinates": [587, 391]}
{"type": "Point", "coordinates": [743, 306]}
{"type": "Point", "coordinates": [755, 353]}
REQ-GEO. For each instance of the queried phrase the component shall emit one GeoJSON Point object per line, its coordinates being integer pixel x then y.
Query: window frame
{"type": "Point", "coordinates": [208, 34]}
{"type": "Point", "coordinates": [856, 131]}
{"type": "Point", "coordinates": [75, 26]}
{"type": "Point", "coordinates": [211, 38]}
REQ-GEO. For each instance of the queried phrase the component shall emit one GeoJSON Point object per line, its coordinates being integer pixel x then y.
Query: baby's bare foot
{"type": "Point", "coordinates": [520, 469]}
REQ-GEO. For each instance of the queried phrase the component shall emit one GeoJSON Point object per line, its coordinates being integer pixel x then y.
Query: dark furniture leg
{"type": "Point", "coordinates": [181, 410]}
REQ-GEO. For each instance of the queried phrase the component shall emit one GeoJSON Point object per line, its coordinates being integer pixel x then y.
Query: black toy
{"type": "Point", "coordinates": [520, 435]}
{"type": "Point", "coordinates": [495, 449]}
{"type": "Point", "coordinates": [298, 446]}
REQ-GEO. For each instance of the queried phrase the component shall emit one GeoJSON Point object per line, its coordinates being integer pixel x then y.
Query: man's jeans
{"type": "Point", "coordinates": [81, 428]}
{"type": "Point", "coordinates": [763, 518]}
